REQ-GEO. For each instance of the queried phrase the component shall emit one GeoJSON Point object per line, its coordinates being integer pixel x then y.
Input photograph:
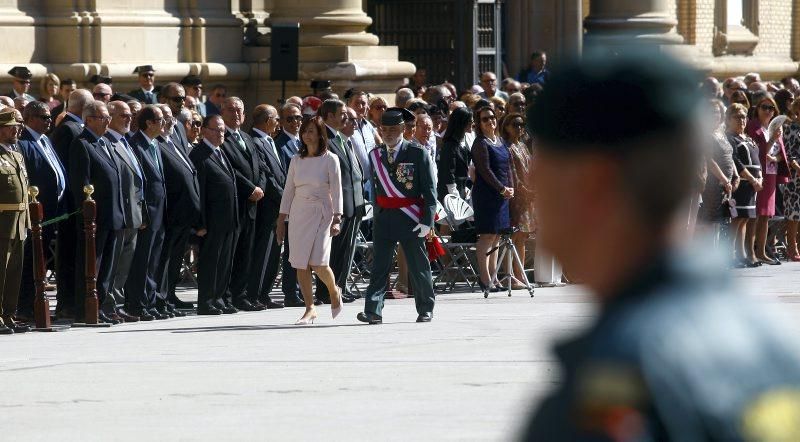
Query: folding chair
{"type": "Point", "coordinates": [456, 211]}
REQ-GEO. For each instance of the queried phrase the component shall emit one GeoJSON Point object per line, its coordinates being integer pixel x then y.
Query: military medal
{"type": "Point", "coordinates": [409, 185]}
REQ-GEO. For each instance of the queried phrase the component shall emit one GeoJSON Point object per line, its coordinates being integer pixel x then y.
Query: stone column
{"type": "Point", "coordinates": [619, 22]}
{"type": "Point", "coordinates": [333, 46]}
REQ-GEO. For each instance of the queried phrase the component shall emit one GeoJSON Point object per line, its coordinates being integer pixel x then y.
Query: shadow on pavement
{"type": "Point", "coordinates": [237, 328]}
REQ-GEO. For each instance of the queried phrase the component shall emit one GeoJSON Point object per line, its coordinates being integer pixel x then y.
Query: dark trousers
{"type": "Point", "coordinates": [343, 246]}
{"type": "Point", "coordinates": [10, 270]}
{"type": "Point", "coordinates": [27, 292]}
{"type": "Point", "coordinates": [106, 243]}
{"type": "Point", "coordinates": [419, 274]}
{"type": "Point", "coordinates": [126, 250]}
{"type": "Point", "coordinates": [289, 287]}
{"type": "Point", "coordinates": [242, 256]}
{"type": "Point", "coordinates": [214, 269]}
{"type": "Point", "coordinates": [66, 245]}
{"type": "Point", "coordinates": [176, 241]}
{"type": "Point", "coordinates": [264, 244]}
{"type": "Point", "coordinates": [141, 287]}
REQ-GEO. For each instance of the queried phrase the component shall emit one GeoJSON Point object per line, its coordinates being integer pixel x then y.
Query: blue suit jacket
{"type": "Point", "coordinates": [41, 175]}
{"type": "Point", "coordinates": [155, 193]}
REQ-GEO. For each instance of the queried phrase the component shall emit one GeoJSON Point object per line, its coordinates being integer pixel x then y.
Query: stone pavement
{"type": "Point", "coordinates": [471, 374]}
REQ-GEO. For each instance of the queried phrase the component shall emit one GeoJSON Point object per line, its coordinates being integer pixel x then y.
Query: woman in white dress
{"type": "Point", "coordinates": [312, 200]}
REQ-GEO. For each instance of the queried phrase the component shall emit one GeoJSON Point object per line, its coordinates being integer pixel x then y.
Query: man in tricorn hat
{"type": "Point", "coordinates": [22, 82]}
{"type": "Point", "coordinates": [405, 193]}
{"type": "Point", "coordinates": [146, 93]}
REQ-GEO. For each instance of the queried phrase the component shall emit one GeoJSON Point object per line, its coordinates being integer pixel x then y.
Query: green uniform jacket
{"type": "Point", "coordinates": [14, 219]}
{"type": "Point", "coordinates": [411, 168]}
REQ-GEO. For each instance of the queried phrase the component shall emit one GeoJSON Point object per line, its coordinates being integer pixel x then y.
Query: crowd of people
{"type": "Point", "coordinates": [748, 195]}
{"type": "Point", "coordinates": [174, 174]}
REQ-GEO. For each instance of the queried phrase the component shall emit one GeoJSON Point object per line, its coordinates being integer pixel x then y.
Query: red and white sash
{"type": "Point", "coordinates": [413, 211]}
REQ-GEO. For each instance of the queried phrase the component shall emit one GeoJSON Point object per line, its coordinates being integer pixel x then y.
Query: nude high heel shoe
{"type": "Point", "coordinates": [307, 320]}
{"type": "Point", "coordinates": [335, 311]}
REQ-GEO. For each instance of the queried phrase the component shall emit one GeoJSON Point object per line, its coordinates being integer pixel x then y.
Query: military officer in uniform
{"type": "Point", "coordinates": [676, 353]}
{"type": "Point", "coordinates": [405, 196]}
{"type": "Point", "coordinates": [22, 83]}
{"type": "Point", "coordinates": [147, 93]}
{"type": "Point", "coordinates": [14, 220]}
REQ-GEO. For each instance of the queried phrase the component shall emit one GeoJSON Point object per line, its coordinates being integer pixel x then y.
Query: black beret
{"type": "Point", "coordinates": [20, 72]}
{"type": "Point", "coordinates": [97, 79]}
{"type": "Point", "coordinates": [191, 80]}
{"type": "Point", "coordinates": [603, 102]}
{"type": "Point", "coordinates": [143, 68]}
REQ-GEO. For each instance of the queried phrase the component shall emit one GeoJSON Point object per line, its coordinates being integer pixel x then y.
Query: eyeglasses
{"type": "Point", "coordinates": [127, 116]}
{"type": "Point", "coordinates": [148, 74]}
{"type": "Point", "coordinates": [101, 117]}
{"type": "Point", "coordinates": [101, 95]}
{"type": "Point", "coordinates": [767, 107]}
{"type": "Point", "coordinates": [24, 81]}
{"type": "Point", "coordinates": [178, 98]}
{"type": "Point", "coordinates": [196, 123]}
{"type": "Point", "coordinates": [159, 120]}
{"type": "Point", "coordinates": [487, 119]}
{"type": "Point", "coordinates": [519, 125]}
{"type": "Point", "coordinates": [294, 119]}
{"type": "Point", "coordinates": [45, 117]}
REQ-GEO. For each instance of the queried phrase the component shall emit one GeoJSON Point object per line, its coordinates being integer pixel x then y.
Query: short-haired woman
{"type": "Point", "coordinates": [312, 200]}
{"type": "Point", "coordinates": [491, 192]}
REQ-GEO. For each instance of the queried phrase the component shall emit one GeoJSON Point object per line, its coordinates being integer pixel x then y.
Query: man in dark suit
{"type": "Point", "coordinates": [46, 172]}
{"type": "Point", "coordinates": [216, 97]}
{"type": "Point", "coordinates": [92, 161]}
{"type": "Point", "coordinates": [288, 144]}
{"type": "Point", "coordinates": [67, 231]}
{"type": "Point", "coordinates": [250, 178]}
{"type": "Point", "coordinates": [334, 116]}
{"type": "Point", "coordinates": [266, 250]}
{"type": "Point", "coordinates": [183, 212]}
{"type": "Point", "coordinates": [141, 286]}
{"type": "Point", "coordinates": [133, 186]}
{"type": "Point", "coordinates": [219, 219]}
{"type": "Point", "coordinates": [174, 96]}
{"type": "Point", "coordinates": [146, 93]}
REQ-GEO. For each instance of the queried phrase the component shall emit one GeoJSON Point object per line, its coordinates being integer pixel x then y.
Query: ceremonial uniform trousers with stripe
{"type": "Point", "coordinates": [393, 226]}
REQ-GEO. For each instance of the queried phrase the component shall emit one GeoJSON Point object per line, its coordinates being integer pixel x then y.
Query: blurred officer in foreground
{"type": "Point", "coordinates": [675, 354]}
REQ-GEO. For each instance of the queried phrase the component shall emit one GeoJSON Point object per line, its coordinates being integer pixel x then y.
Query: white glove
{"type": "Point", "coordinates": [423, 230]}
{"type": "Point", "coordinates": [452, 190]}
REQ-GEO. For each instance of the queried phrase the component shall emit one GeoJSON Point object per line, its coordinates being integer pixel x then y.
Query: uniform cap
{"type": "Point", "coordinates": [97, 79]}
{"type": "Point", "coordinates": [320, 84]}
{"type": "Point", "coordinates": [20, 72]}
{"type": "Point", "coordinates": [191, 80]}
{"type": "Point", "coordinates": [395, 116]}
{"type": "Point", "coordinates": [8, 117]}
{"type": "Point", "coordinates": [143, 68]}
{"type": "Point", "coordinates": [605, 102]}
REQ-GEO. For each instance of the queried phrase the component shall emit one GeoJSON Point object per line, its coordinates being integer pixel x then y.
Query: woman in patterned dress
{"type": "Point", "coordinates": [745, 152]}
{"type": "Point", "coordinates": [791, 193]}
{"type": "Point", "coordinates": [512, 128]}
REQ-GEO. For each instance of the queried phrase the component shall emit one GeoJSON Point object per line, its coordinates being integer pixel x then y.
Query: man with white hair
{"type": "Point", "coordinates": [68, 130]}
{"type": "Point", "coordinates": [403, 96]}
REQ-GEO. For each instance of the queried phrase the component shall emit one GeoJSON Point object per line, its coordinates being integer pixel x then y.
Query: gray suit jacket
{"type": "Point", "coordinates": [132, 187]}
{"type": "Point", "coordinates": [352, 179]}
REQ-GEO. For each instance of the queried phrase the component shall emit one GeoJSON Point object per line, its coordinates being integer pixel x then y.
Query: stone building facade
{"type": "Point", "coordinates": [724, 37]}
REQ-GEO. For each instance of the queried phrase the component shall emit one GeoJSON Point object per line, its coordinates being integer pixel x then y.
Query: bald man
{"type": "Point", "coordinates": [102, 92]}
{"type": "Point", "coordinates": [266, 251]}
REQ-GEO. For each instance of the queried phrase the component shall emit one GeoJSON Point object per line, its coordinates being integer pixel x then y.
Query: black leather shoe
{"type": "Point", "coordinates": [101, 317]}
{"type": "Point", "coordinates": [175, 312]}
{"type": "Point", "coordinates": [6, 330]}
{"type": "Point", "coordinates": [245, 305]}
{"type": "Point", "coordinates": [258, 305]}
{"type": "Point", "coordinates": [229, 310]}
{"type": "Point", "coordinates": [347, 299]}
{"type": "Point", "coordinates": [165, 312]}
{"type": "Point", "coordinates": [21, 328]}
{"type": "Point", "coordinates": [183, 305]}
{"type": "Point", "coordinates": [369, 318]}
{"type": "Point", "coordinates": [157, 314]}
{"type": "Point", "coordinates": [425, 317]}
{"type": "Point", "coordinates": [144, 315]}
{"type": "Point", "coordinates": [272, 305]}
{"type": "Point", "coordinates": [209, 311]}
{"type": "Point", "coordinates": [288, 302]}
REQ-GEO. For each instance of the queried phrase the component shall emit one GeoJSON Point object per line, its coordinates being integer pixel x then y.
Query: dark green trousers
{"type": "Point", "coordinates": [419, 274]}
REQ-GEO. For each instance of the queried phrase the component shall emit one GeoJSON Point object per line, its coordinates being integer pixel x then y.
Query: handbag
{"type": "Point", "coordinates": [731, 207]}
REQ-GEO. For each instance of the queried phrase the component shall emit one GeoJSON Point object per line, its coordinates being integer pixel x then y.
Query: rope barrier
{"type": "Point", "coordinates": [60, 218]}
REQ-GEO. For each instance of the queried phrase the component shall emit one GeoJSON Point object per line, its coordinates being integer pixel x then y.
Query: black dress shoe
{"type": "Point", "coordinates": [246, 306]}
{"type": "Point", "coordinates": [175, 312]}
{"type": "Point", "coordinates": [183, 305]}
{"type": "Point", "coordinates": [258, 305]}
{"type": "Point", "coordinates": [101, 317]}
{"type": "Point", "coordinates": [348, 299]}
{"type": "Point", "coordinates": [209, 311]}
{"type": "Point", "coordinates": [425, 317]}
{"type": "Point", "coordinates": [288, 302]}
{"type": "Point", "coordinates": [164, 310]}
{"type": "Point", "coordinates": [143, 315]}
{"type": "Point", "coordinates": [369, 318]}
{"type": "Point", "coordinates": [21, 328]}
{"type": "Point", "coordinates": [157, 314]}
{"type": "Point", "coordinates": [229, 310]}
{"type": "Point", "coordinates": [272, 305]}
{"type": "Point", "coordinates": [6, 330]}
